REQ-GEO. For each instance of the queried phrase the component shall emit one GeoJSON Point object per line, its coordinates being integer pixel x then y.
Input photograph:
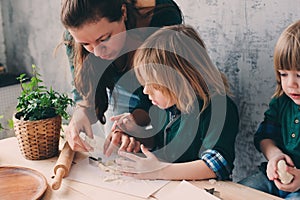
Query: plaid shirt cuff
{"type": "Point", "coordinates": [216, 162]}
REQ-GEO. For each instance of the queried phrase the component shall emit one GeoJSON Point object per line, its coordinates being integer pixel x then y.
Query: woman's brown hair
{"type": "Point", "coordinates": [76, 13]}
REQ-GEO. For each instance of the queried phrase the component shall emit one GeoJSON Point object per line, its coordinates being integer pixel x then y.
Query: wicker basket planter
{"type": "Point", "coordinates": [38, 139]}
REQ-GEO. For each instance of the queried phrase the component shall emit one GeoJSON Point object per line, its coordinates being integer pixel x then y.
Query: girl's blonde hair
{"type": "Point", "coordinates": [287, 53]}
{"type": "Point", "coordinates": [175, 60]}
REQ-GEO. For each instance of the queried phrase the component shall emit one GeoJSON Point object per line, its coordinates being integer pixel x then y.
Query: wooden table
{"type": "Point", "coordinates": [10, 155]}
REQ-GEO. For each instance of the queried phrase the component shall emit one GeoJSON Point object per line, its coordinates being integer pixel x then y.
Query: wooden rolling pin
{"type": "Point", "coordinates": [63, 165]}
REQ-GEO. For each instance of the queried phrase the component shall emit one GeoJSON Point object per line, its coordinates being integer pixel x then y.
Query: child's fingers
{"type": "Point", "coordinates": [131, 144]}
{"type": "Point", "coordinates": [289, 161]}
{"type": "Point", "coordinates": [129, 156]}
{"type": "Point", "coordinates": [124, 142]}
{"type": "Point", "coordinates": [271, 173]}
{"type": "Point", "coordinates": [107, 142]}
{"type": "Point", "coordinates": [292, 170]}
{"type": "Point", "coordinates": [125, 165]}
{"type": "Point", "coordinates": [147, 153]}
{"type": "Point", "coordinates": [112, 143]}
{"type": "Point", "coordinates": [137, 147]}
{"type": "Point", "coordinates": [109, 149]}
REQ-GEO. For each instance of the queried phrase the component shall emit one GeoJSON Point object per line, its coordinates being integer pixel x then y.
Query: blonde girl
{"type": "Point", "coordinates": [200, 123]}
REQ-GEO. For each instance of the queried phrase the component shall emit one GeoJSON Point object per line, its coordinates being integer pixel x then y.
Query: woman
{"type": "Point", "coordinates": [94, 27]}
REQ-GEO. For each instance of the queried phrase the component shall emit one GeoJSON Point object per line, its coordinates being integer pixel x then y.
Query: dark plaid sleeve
{"type": "Point", "coordinates": [270, 128]}
{"type": "Point", "coordinates": [267, 130]}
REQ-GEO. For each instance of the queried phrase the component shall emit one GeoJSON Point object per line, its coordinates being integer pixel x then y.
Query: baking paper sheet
{"type": "Point", "coordinates": [83, 172]}
{"type": "Point", "coordinates": [186, 190]}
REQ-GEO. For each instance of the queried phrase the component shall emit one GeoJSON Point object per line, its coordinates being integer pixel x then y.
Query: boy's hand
{"type": "Point", "coordinates": [294, 185]}
{"type": "Point", "coordinates": [272, 165]}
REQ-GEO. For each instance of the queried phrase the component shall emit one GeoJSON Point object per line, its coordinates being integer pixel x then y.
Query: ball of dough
{"type": "Point", "coordinates": [284, 176]}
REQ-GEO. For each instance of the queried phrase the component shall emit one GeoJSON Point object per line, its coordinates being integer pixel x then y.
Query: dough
{"type": "Point", "coordinates": [284, 176]}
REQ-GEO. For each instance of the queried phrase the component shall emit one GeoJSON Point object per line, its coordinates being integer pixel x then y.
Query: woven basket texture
{"type": "Point", "coordinates": [39, 139]}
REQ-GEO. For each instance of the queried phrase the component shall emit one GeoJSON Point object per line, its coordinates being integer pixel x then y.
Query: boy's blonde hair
{"type": "Point", "coordinates": [287, 53]}
{"type": "Point", "coordinates": [174, 59]}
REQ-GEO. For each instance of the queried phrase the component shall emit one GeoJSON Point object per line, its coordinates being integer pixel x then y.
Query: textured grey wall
{"type": "Point", "coordinates": [2, 46]}
{"type": "Point", "coordinates": [240, 36]}
{"type": "Point", "coordinates": [32, 30]}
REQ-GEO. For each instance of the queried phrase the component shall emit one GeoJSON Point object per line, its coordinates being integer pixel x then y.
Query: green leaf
{"type": "Point", "coordinates": [10, 123]}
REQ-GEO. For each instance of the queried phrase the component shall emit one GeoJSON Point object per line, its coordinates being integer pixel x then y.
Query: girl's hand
{"type": "Point", "coordinates": [118, 140]}
{"type": "Point", "coordinates": [147, 167]}
{"type": "Point", "coordinates": [79, 122]}
{"type": "Point", "coordinates": [294, 185]}
{"type": "Point", "coordinates": [272, 165]}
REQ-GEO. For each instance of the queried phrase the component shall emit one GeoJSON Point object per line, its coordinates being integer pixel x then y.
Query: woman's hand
{"type": "Point", "coordinates": [134, 124]}
{"type": "Point", "coordinates": [294, 185]}
{"type": "Point", "coordinates": [118, 140]}
{"type": "Point", "coordinates": [126, 123]}
{"type": "Point", "coordinates": [79, 122]}
{"type": "Point", "coordinates": [121, 121]}
{"type": "Point", "coordinates": [148, 167]}
{"type": "Point", "coordinates": [272, 165]}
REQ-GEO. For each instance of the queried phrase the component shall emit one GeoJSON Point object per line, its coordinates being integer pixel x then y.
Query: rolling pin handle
{"type": "Point", "coordinates": [60, 172]}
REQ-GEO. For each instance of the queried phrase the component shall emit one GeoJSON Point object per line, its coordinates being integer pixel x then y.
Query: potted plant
{"type": "Point", "coordinates": [37, 123]}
